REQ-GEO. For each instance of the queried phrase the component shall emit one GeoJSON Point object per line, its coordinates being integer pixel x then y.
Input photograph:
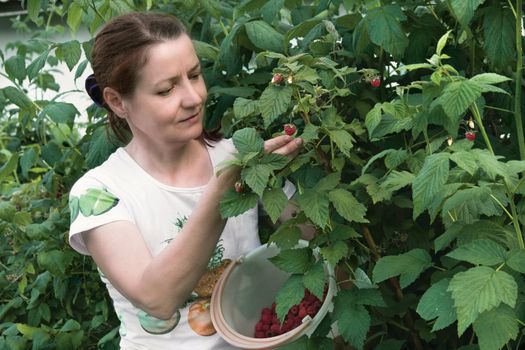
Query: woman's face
{"type": "Point", "coordinates": [168, 102]}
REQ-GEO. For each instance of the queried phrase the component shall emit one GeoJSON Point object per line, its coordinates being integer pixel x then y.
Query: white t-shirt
{"type": "Point", "coordinates": [119, 189]}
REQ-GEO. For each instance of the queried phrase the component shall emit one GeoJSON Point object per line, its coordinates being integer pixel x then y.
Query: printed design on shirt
{"type": "Point", "coordinates": [199, 317]}
{"type": "Point", "coordinates": [94, 201]}
{"type": "Point", "coordinates": [157, 326]}
{"type": "Point", "coordinates": [122, 329]}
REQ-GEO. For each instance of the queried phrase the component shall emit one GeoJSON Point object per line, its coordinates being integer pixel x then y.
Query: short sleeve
{"type": "Point", "coordinates": [92, 204]}
{"type": "Point", "coordinates": [289, 189]}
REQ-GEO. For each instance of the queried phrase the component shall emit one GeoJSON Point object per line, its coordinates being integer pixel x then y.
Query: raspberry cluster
{"type": "Point", "coordinates": [269, 325]}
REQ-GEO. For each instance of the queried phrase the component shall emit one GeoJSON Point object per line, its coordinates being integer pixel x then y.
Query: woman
{"type": "Point", "coordinates": [149, 216]}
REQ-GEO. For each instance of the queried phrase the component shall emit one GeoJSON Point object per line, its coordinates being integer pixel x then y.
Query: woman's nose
{"type": "Point", "coordinates": [194, 93]}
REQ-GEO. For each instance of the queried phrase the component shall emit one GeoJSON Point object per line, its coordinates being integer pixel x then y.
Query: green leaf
{"type": "Point", "coordinates": [429, 181]}
{"type": "Point", "coordinates": [264, 36]}
{"type": "Point", "coordinates": [274, 201]}
{"type": "Point", "coordinates": [480, 252]}
{"type": "Point", "coordinates": [490, 163]}
{"type": "Point", "coordinates": [205, 50]}
{"type": "Point", "coordinates": [480, 289]}
{"type": "Point", "coordinates": [315, 205]}
{"type": "Point", "coordinates": [356, 296]}
{"type": "Point", "coordinates": [343, 140]}
{"type": "Point", "coordinates": [96, 201]}
{"type": "Point", "coordinates": [372, 120]}
{"type": "Point", "coordinates": [436, 303]}
{"type": "Point", "coordinates": [36, 66]}
{"type": "Point", "coordinates": [489, 78]}
{"type": "Point", "coordinates": [15, 67]}
{"type": "Point", "coordinates": [70, 52]}
{"type": "Point", "coordinates": [247, 140]}
{"type": "Point", "coordinates": [273, 102]}
{"type": "Point", "coordinates": [468, 204]}
{"type": "Point", "coordinates": [33, 9]}
{"type": "Point", "coordinates": [334, 252]}
{"type": "Point", "coordinates": [396, 158]}
{"type": "Point", "coordinates": [315, 279]}
{"type": "Point", "coordinates": [464, 9]}
{"type": "Point", "coordinates": [290, 294]}
{"type": "Point", "coordinates": [234, 204]}
{"type": "Point", "coordinates": [466, 161]}
{"type": "Point", "coordinates": [499, 36]}
{"type": "Point", "coordinates": [457, 97]}
{"type": "Point", "coordinates": [18, 98]}
{"type": "Point", "coordinates": [7, 211]}
{"type": "Point", "coordinates": [397, 180]}
{"type": "Point", "coordinates": [257, 177]}
{"type": "Point", "coordinates": [243, 108]}
{"type": "Point", "coordinates": [54, 261]}
{"type": "Point", "coordinates": [74, 16]}
{"type": "Point", "coordinates": [496, 327]}
{"type": "Point", "coordinates": [516, 260]}
{"type": "Point", "coordinates": [229, 57]}
{"type": "Point", "coordinates": [385, 30]}
{"type": "Point", "coordinates": [9, 167]}
{"type": "Point", "coordinates": [60, 112]}
{"type": "Point", "coordinates": [353, 321]}
{"type": "Point", "coordinates": [442, 42]}
{"type": "Point", "coordinates": [294, 260]}
{"type": "Point", "coordinates": [74, 207]}
{"type": "Point", "coordinates": [347, 206]}
{"type": "Point", "coordinates": [409, 265]}
{"type": "Point", "coordinates": [286, 237]}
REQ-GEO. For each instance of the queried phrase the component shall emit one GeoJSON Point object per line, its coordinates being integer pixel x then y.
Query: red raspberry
{"type": "Point", "coordinates": [375, 82]}
{"type": "Point", "coordinates": [277, 78]}
{"type": "Point", "coordinates": [302, 312]}
{"type": "Point", "coordinates": [266, 319]}
{"type": "Point", "coordinates": [239, 187]}
{"type": "Point", "coordinates": [294, 310]}
{"type": "Point", "coordinates": [289, 129]}
{"type": "Point", "coordinates": [471, 136]}
{"type": "Point", "coordinates": [260, 334]}
{"type": "Point", "coordinates": [275, 328]}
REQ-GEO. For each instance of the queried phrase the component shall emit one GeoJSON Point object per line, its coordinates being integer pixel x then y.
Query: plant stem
{"type": "Point", "coordinates": [475, 111]}
{"type": "Point", "coordinates": [519, 67]}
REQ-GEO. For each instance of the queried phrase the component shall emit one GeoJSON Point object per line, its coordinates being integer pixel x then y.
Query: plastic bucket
{"type": "Point", "coordinates": [250, 284]}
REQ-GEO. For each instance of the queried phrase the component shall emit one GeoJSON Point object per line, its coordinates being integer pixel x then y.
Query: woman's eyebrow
{"type": "Point", "coordinates": [176, 78]}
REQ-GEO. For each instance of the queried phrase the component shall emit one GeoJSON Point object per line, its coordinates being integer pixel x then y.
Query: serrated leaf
{"type": "Point", "coordinates": [205, 50]}
{"type": "Point", "coordinates": [355, 296]}
{"type": "Point", "coordinates": [286, 237]}
{"type": "Point", "coordinates": [70, 52]}
{"type": "Point", "coordinates": [464, 9]}
{"type": "Point", "coordinates": [429, 181]}
{"type": "Point", "coordinates": [61, 112]}
{"type": "Point", "coordinates": [74, 16]}
{"type": "Point", "coordinates": [36, 66]}
{"type": "Point", "coordinates": [499, 36]}
{"type": "Point", "coordinates": [480, 252]}
{"type": "Point", "coordinates": [315, 279]}
{"type": "Point", "coordinates": [408, 265]}
{"type": "Point", "coordinates": [466, 161]}
{"type": "Point", "coordinates": [315, 205]}
{"type": "Point", "coordinates": [293, 260]}
{"type": "Point", "coordinates": [353, 321]}
{"type": "Point", "coordinates": [457, 97]}
{"type": "Point", "coordinates": [15, 67]}
{"type": "Point", "coordinates": [496, 327]}
{"type": "Point", "coordinates": [490, 163]}
{"type": "Point", "coordinates": [347, 206]}
{"type": "Point", "coordinates": [234, 204]}
{"type": "Point", "coordinates": [243, 107]}
{"type": "Point", "coordinates": [273, 102]}
{"type": "Point", "coordinates": [247, 140]}
{"type": "Point", "coordinates": [328, 182]}
{"type": "Point", "coordinates": [33, 9]}
{"type": "Point", "coordinates": [516, 260]}
{"type": "Point", "coordinates": [372, 120]}
{"type": "Point", "coordinates": [489, 78]}
{"type": "Point", "coordinates": [442, 42]}
{"type": "Point", "coordinates": [397, 180]}
{"type": "Point", "coordinates": [264, 36]}
{"type": "Point", "coordinates": [480, 289]}
{"type": "Point", "coordinates": [274, 201]}
{"type": "Point", "coordinates": [395, 158]}
{"type": "Point", "coordinates": [290, 294]}
{"type": "Point", "coordinates": [257, 177]}
{"type": "Point", "coordinates": [343, 140]}
{"type": "Point", "coordinates": [384, 28]}
{"type": "Point", "coordinates": [334, 252]}
{"type": "Point", "coordinates": [436, 303]}
{"type": "Point", "coordinates": [18, 98]}
{"type": "Point", "coordinates": [467, 205]}
{"type": "Point", "coordinates": [9, 167]}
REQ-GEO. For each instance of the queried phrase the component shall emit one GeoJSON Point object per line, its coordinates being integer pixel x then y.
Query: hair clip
{"type": "Point", "coordinates": [93, 90]}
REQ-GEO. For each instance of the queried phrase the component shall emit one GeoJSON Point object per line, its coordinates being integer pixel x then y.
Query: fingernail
{"type": "Point", "coordinates": [298, 141]}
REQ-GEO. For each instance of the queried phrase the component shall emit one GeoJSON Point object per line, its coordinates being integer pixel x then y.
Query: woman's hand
{"type": "Point", "coordinates": [284, 145]}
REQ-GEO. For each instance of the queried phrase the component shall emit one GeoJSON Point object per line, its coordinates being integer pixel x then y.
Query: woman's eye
{"type": "Point", "coordinates": [195, 75]}
{"type": "Point", "coordinates": [164, 92]}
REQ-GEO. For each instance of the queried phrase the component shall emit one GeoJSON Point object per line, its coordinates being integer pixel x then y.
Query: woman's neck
{"type": "Point", "coordinates": [180, 165]}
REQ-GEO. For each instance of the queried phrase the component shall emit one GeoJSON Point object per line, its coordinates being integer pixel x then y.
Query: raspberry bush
{"type": "Point", "coordinates": [423, 222]}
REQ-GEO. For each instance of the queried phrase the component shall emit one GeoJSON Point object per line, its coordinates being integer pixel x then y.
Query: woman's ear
{"type": "Point", "coordinates": [115, 102]}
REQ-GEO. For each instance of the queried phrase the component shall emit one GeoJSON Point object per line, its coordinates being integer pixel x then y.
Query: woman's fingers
{"type": "Point", "coordinates": [283, 145]}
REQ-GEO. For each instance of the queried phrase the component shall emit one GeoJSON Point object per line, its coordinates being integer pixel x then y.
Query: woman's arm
{"type": "Point", "coordinates": [160, 285]}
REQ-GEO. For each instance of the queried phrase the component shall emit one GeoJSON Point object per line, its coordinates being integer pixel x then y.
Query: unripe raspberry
{"type": "Point", "coordinates": [239, 187]}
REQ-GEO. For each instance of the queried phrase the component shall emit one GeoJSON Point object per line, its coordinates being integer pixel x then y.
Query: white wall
{"type": "Point", "coordinates": [64, 77]}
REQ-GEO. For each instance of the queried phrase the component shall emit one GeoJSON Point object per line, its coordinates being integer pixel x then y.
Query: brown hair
{"type": "Point", "coordinates": [120, 51]}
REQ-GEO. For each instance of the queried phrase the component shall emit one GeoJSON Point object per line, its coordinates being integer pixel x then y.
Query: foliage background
{"type": "Point", "coordinates": [426, 225]}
